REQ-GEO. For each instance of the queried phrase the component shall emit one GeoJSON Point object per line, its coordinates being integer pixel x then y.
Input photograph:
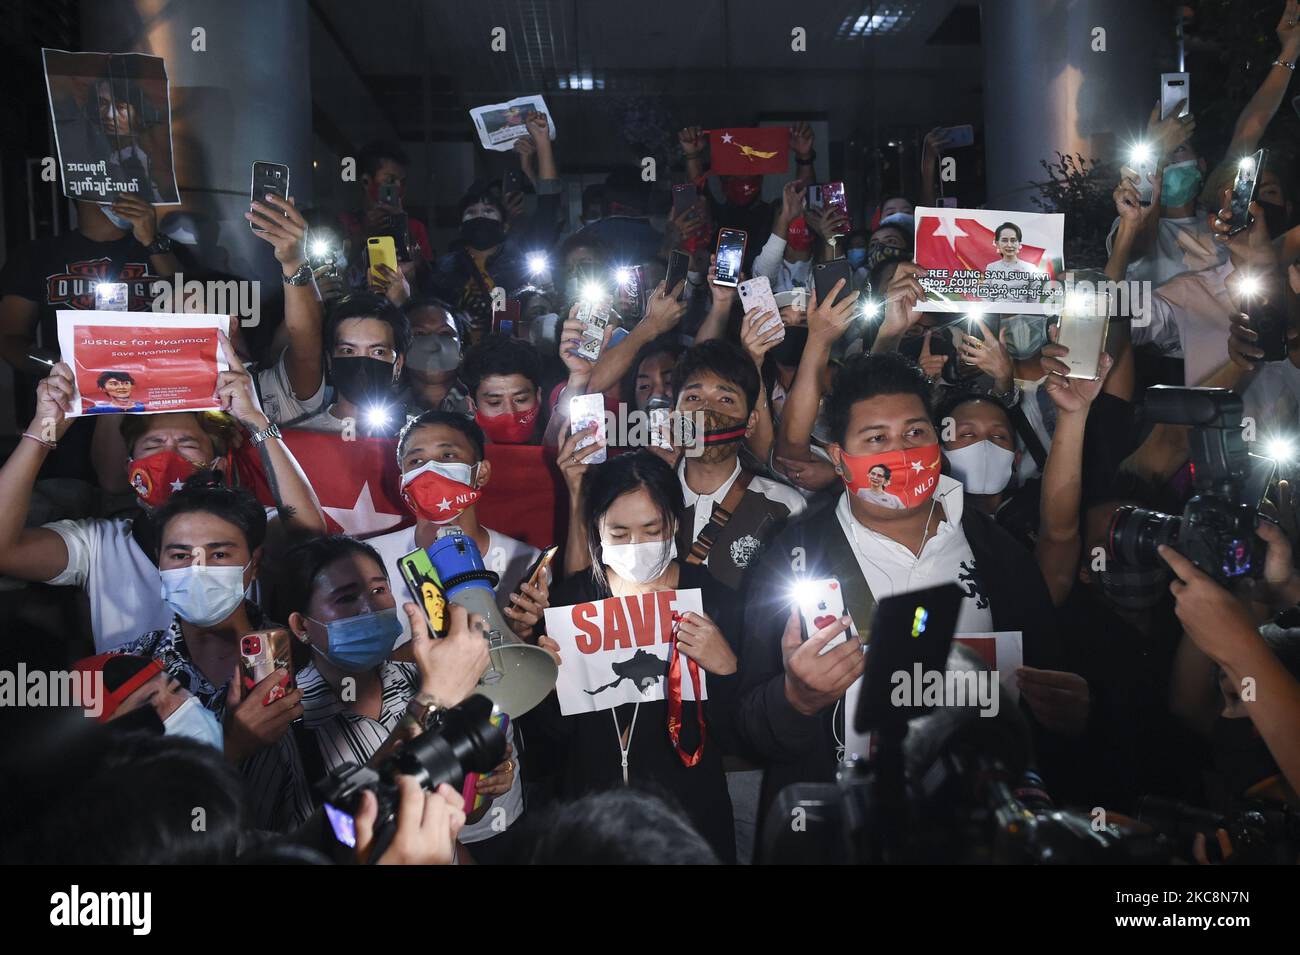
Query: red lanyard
{"type": "Point", "coordinates": [674, 694]}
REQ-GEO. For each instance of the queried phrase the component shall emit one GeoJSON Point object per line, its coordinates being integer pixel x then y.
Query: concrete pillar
{"type": "Point", "coordinates": [245, 97]}
{"type": "Point", "coordinates": [1046, 88]}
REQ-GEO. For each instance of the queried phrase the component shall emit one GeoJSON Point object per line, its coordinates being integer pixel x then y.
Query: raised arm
{"type": "Point", "coordinates": [663, 312]}
{"type": "Point", "coordinates": [826, 323]}
{"type": "Point", "coordinates": [1263, 106]}
{"type": "Point", "coordinates": [758, 343]}
{"type": "Point", "coordinates": [715, 322]}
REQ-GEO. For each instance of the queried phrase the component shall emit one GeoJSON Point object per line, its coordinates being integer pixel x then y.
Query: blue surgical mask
{"type": "Point", "coordinates": [197, 722]}
{"type": "Point", "coordinates": [857, 257]}
{"type": "Point", "coordinates": [1181, 183]}
{"type": "Point", "coordinates": [360, 643]}
{"type": "Point", "coordinates": [122, 222]}
{"type": "Point", "coordinates": [202, 594]}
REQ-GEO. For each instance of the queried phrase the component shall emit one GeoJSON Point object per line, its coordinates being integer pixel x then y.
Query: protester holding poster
{"type": "Point", "coordinates": [986, 260]}
{"type": "Point", "coordinates": [666, 739]}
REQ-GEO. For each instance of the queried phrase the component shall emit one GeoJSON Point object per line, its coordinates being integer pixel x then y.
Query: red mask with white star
{"type": "Point", "coordinates": [895, 479]}
{"type": "Point", "coordinates": [158, 476]}
{"type": "Point", "coordinates": [440, 492]}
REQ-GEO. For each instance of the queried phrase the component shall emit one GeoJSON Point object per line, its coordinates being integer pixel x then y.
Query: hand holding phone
{"type": "Point", "coordinates": [381, 250]}
{"type": "Point", "coordinates": [821, 603]}
{"type": "Point", "coordinates": [730, 256]}
{"type": "Point", "coordinates": [595, 319]}
{"type": "Point", "coordinates": [757, 293]}
{"type": "Point", "coordinates": [260, 654]}
{"type": "Point", "coordinates": [269, 178]}
{"type": "Point", "coordinates": [1243, 190]}
{"type": "Point", "coordinates": [584, 411]}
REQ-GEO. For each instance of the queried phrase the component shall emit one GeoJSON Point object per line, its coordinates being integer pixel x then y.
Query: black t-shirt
{"type": "Point", "coordinates": [582, 752]}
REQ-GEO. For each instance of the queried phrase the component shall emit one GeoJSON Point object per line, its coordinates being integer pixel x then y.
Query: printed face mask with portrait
{"type": "Point", "coordinates": [895, 479]}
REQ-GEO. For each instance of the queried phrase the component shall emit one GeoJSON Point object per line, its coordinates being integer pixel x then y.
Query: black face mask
{"type": "Point", "coordinates": [482, 233]}
{"type": "Point", "coordinates": [1240, 754]}
{"type": "Point", "coordinates": [790, 349]}
{"type": "Point", "coordinates": [1274, 218]}
{"type": "Point", "coordinates": [363, 381]}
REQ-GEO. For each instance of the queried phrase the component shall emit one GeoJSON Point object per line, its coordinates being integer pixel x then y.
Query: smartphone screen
{"type": "Point", "coordinates": [679, 263]}
{"type": "Point", "coordinates": [826, 274]}
{"type": "Point", "coordinates": [1174, 88]}
{"type": "Point", "coordinates": [268, 178]}
{"type": "Point", "coordinates": [542, 565]}
{"type": "Point", "coordinates": [731, 252]}
{"type": "Point", "coordinates": [956, 137]}
{"type": "Point", "coordinates": [1243, 190]}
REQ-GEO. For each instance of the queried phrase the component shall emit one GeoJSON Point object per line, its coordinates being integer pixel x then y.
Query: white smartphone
{"type": "Point", "coordinates": [594, 318]}
{"type": "Point", "coordinates": [757, 293]}
{"type": "Point", "coordinates": [821, 603]}
{"type": "Point", "coordinates": [585, 410]}
{"type": "Point", "coordinates": [1174, 88]}
{"type": "Point", "coordinates": [1084, 323]}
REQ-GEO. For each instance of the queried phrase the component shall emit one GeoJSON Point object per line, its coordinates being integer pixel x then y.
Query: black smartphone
{"type": "Point", "coordinates": [684, 196]}
{"type": "Point", "coordinates": [1243, 190]}
{"type": "Point", "coordinates": [731, 252]}
{"type": "Point", "coordinates": [826, 274]}
{"type": "Point", "coordinates": [268, 178]}
{"type": "Point", "coordinates": [1265, 306]}
{"type": "Point", "coordinates": [390, 195]}
{"type": "Point", "coordinates": [907, 630]}
{"type": "Point", "coordinates": [679, 263]}
{"type": "Point", "coordinates": [399, 229]}
{"type": "Point", "coordinates": [512, 182]}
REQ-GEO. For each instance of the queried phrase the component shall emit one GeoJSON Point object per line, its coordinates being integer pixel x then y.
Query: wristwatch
{"type": "Point", "coordinates": [424, 711]}
{"type": "Point", "coordinates": [161, 245]}
{"type": "Point", "coordinates": [812, 158]}
{"type": "Point", "coordinates": [1009, 398]}
{"type": "Point", "coordinates": [302, 276]}
{"type": "Point", "coordinates": [272, 430]}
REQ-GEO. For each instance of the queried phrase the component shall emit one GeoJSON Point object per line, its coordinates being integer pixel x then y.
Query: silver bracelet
{"type": "Point", "coordinates": [1289, 66]}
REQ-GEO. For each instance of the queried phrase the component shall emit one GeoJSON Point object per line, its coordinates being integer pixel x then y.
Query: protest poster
{"type": "Point", "coordinates": [111, 115]}
{"type": "Point", "coordinates": [615, 651]}
{"type": "Point", "coordinates": [500, 124]}
{"type": "Point", "coordinates": [986, 260]}
{"type": "Point", "coordinates": [142, 363]}
{"type": "Point", "coordinates": [1003, 651]}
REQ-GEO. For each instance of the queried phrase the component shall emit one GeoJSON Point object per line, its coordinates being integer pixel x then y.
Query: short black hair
{"type": "Point", "coordinates": [867, 376]}
{"type": "Point", "coordinates": [1020, 236]}
{"type": "Point", "coordinates": [368, 305]}
{"type": "Point", "coordinates": [204, 493]}
{"type": "Point", "coordinates": [605, 483]}
{"type": "Point", "coordinates": [428, 300]}
{"type": "Point", "coordinates": [219, 426]}
{"type": "Point", "coordinates": [374, 153]}
{"type": "Point", "coordinates": [726, 360]}
{"type": "Point", "coordinates": [115, 376]}
{"type": "Point", "coordinates": [665, 344]}
{"type": "Point", "coordinates": [481, 191]}
{"type": "Point", "coordinates": [618, 827]}
{"type": "Point", "coordinates": [958, 397]}
{"type": "Point", "coordinates": [301, 564]}
{"type": "Point", "coordinates": [500, 355]}
{"type": "Point", "coordinates": [465, 425]}
{"type": "Point", "coordinates": [582, 239]}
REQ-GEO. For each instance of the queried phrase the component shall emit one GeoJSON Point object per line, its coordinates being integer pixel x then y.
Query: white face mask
{"type": "Point", "coordinates": [203, 595]}
{"type": "Point", "coordinates": [197, 722]}
{"type": "Point", "coordinates": [451, 470]}
{"type": "Point", "coordinates": [982, 467]}
{"type": "Point", "coordinates": [642, 562]}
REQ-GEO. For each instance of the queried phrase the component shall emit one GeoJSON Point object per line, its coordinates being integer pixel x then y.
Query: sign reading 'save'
{"type": "Point", "coordinates": [615, 651]}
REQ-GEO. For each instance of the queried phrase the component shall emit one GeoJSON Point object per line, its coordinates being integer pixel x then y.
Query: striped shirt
{"type": "Point", "coordinates": [276, 780]}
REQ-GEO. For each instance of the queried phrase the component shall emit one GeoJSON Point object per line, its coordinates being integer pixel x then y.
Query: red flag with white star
{"type": "Point", "coordinates": [749, 151]}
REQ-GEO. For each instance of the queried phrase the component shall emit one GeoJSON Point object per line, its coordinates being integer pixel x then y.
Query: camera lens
{"type": "Point", "coordinates": [1136, 532]}
{"type": "Point", "coordinates": [467, 742]}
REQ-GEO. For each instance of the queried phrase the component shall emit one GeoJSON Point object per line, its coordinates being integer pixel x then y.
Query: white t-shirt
{"type": "Point", "coordinates": [1182, 245]}
{"type": "Point", "coordinates": [508, 558]}
{"type": "Point", "coordinates": [121, 581]}
{"type": "Point", "coordinates": [1189, 318]}
{"type": "Point", "coordinates": [890, 568]}
{"type": "Point", "coordinates": [278, 400]}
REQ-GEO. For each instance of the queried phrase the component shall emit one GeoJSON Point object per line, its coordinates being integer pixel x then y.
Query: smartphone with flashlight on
{"type": "Point", "coordinates": [381, 250]}
{"type": "Point", "coordinates": [757, 293]}
{"type": "Point", "coordinates": [260, 653]}
{"type": "Point", "coordinates": [821, 603]}
{"type": "Point", "coordinates": [1084, 323]}
{"type": "Point", "coordinates": [1264, 302]}
{"type": "Point", "coordinates": [269, 178]}
{"type": "Point", "coordinates": [584, 411]}
{"type": "Point", "coordinates": [1174, 88]}
{"type": "Point", "coordinates": [730, 254]}
{"type": "Point", "coordinates": [1243, 190]}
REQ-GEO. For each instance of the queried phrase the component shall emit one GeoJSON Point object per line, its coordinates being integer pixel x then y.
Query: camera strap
{"type": "Point", "coordinates": [1029, 436]}
{"type": "Point", "coordinates": [313, 764]}
{"type": "Point", "coordinates": [722, 511]}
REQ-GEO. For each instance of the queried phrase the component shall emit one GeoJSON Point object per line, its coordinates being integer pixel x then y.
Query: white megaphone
{"type": "Point", "coordinates": [518, 676]}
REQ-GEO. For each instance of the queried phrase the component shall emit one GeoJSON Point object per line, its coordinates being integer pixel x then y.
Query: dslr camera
{"type": "Point", "coordinates": [466, 742]}
{"type": "Point", "coordinates": [1216, 531]}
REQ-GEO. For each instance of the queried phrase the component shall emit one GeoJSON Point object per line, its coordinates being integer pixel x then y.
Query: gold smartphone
{"type": "Point", "coordinates": [1084, 323]}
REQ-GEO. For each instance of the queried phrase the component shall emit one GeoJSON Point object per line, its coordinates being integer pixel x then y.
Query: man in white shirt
{"type": "Point", "coordinates": [113, 560]}
{"type": "Point", "coordinates": [444, 452]}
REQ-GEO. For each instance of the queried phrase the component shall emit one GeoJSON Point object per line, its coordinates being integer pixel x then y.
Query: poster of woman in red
{"type": "Point", "coordinates": [142, 363]}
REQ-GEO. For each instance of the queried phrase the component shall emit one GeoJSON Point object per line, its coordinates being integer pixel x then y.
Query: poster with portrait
{"type": "Point", "coordinates": [142, 362]}
{"type": "Point", "coordinates": [500, 124]}
{"type": "Point", "coordinates": [111, 115]}
{"type": "Point", "coordinates": [615, 651]}
{"type": "Point", "coordinates": [986, 260]}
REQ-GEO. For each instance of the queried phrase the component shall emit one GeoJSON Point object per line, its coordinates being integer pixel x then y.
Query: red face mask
{"type": "Point", "coordinates": [431, 492]}
{"type": "Point", "coordinates": [157, 476]}
{"type": "Point", "coordinates": [741, 190]}
{"type": "Point", "coordinates": [894, 479]}
{"type": "Point", "coordinates": [797, 236]}
{"type": "Point", "coordinates": [509, 428]}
